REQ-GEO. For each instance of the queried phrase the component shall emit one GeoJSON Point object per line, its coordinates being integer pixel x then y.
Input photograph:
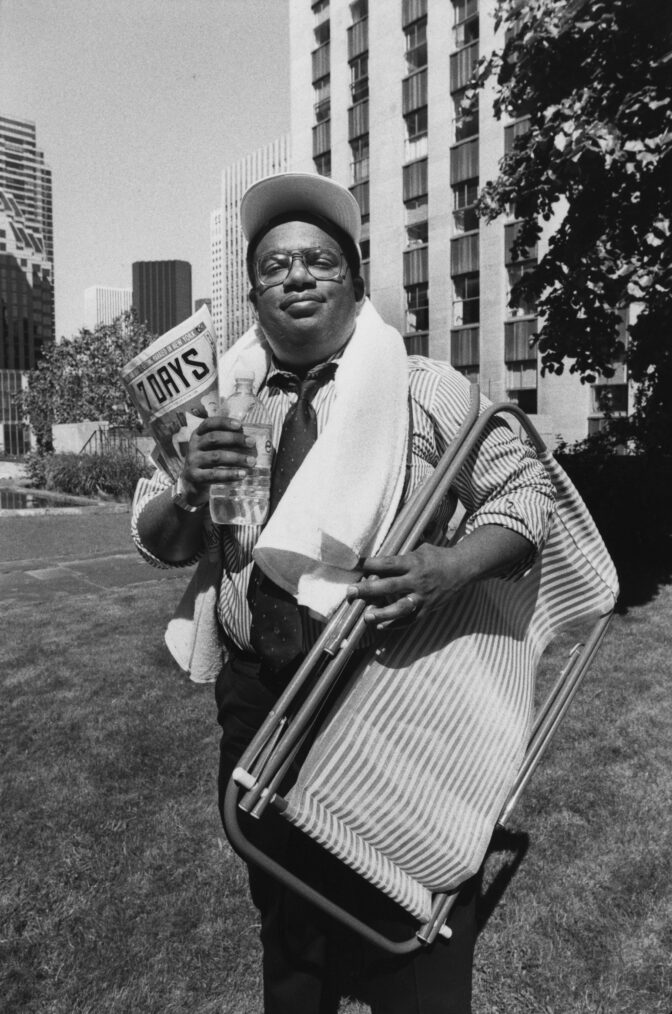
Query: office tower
{"type": "Point", "coordinates": [103, 305]}
{"type": "Point", "coordinates": [231, 311]}
{"type": "Point", "coordinates": [162, 293]}
{"type": "Point", "coordinates": [378, 96]}
{"type": "Point", "coordinates": [24, 174]}
{"type": "Point", "coordinates": [26, 314]}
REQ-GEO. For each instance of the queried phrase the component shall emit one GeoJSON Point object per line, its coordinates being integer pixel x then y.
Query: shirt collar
{"type": "Point", "coordinates": [276, 369]}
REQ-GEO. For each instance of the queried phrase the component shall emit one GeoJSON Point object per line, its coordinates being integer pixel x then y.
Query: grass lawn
{"type": "Point", "coordinates": [119, 893]}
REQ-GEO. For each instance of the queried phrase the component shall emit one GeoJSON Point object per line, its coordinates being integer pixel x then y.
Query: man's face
{"type": "Point", "coordinates": [305, 319]}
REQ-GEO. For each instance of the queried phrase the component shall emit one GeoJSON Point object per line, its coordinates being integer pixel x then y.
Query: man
{"type": "Point", "coordinates": [303, 262]}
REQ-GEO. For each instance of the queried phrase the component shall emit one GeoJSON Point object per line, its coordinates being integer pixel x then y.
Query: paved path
{"type": "Point", "coordinates": [42, 554]}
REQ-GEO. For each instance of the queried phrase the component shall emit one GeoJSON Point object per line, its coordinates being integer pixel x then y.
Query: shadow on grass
{"type": "Point", "coordinates": [506, 852]}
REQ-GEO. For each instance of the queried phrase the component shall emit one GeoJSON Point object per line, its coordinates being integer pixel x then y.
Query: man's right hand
{"type": "Point", "coordinates": [218, 452]}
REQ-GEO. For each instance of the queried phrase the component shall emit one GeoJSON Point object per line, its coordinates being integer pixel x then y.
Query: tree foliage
{"type": "Point", "coordinates": [593, 76]}
{"type": "Point", "coordinates": [80, 378]}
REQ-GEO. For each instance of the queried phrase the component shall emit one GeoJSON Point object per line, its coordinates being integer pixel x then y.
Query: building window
{"type": "Point", "coordinates": [464, 9]}
{"type": "Point", "coordinates": [416, 221]}
{"type": "Point", "coordinates": [513, 132]}
{"type": "Point", "coordinates": [524, 398]}
{"type": "Point", "coordinates": [323, 163]}
{"type": "Point", "coordinates": [466, 299]}
{"type": "Point", "coordinates": [417, 307]}
{"type": "Point", "coordinates": [322, 97]}
{"type": "Point", "coordinates": [359, 167]}
{"type": "Point", "coordinates": [359, 78]}
{"type": "Point", "coordinates": [465, 28]}
{"type": "Point", "coordinates": [360, 192]}
{"type": "Point", "coordinates": [322, 31]}
{"type": "Point", "coordinates": [320, 62]}
{"type": "Point", "coordinates": [463, 63]}
{"type": "Point", "coordinates": [359, 9]}
{"type": "Point", "coordinates": [464, 350]}
{"type": "Point", "coordinates": [610, 399]}
{"type": "Point", "coordinates": [465, 218]}
{"type": "Point", "coordinates": [416, 134]}
{"type": "Point", "coordinates": [416, 45]}
{"type": "Point", "coordinates": [514, 272]}
{"type": "Point", "coordinates": [465, 114]}
{"type": "Point", "coordinates": [519, 343]}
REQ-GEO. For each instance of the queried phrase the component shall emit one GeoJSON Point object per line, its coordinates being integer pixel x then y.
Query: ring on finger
{"type": "Point", "coordinates": [414, 602]}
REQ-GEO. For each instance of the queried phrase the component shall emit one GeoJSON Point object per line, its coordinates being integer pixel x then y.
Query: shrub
{"type": "Point", "coordinates": [112, 473]}
{"type": "Point", "coordinates": [35, 463]}
{"type": "Point", "coordinates": [630, 498]}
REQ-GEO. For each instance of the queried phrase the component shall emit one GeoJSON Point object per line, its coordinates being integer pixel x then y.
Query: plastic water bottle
{"type": "Point", "coordinates": [245, 501]}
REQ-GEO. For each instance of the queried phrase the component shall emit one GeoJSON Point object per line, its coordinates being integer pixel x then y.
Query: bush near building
{"type": "Point", "coordinates": [110, 474]}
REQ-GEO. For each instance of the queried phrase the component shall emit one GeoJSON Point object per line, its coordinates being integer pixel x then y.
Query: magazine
{"type": "Point", "coordinates": [173, 385]}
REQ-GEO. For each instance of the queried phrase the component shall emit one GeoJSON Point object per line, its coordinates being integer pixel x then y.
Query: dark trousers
{"type": "Point", "coordinates": [309, 961]}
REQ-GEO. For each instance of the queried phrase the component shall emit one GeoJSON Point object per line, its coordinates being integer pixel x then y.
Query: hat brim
{"type": "Point", "coordinates": [310, 193]}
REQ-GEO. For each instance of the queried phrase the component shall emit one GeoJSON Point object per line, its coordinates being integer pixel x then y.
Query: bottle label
{"type": "Point", "coordinates": [262, 435]}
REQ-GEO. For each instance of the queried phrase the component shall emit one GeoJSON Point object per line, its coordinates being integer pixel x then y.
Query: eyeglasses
{"type": "Point", "coordinates": [322, 263]}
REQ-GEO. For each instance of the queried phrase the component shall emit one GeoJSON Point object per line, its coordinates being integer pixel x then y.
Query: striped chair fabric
{"type": "Point", "coordinates": [409, 773]}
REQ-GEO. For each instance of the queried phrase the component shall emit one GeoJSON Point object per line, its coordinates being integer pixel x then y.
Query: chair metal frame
{"type": "Point", "coordinates": [255, 782]}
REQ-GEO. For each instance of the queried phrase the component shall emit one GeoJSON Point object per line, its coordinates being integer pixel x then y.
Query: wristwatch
{"type": "Point", "coordinates": [179, 497]}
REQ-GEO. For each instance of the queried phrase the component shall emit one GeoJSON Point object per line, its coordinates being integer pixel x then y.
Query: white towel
{"type": "Point", "coordinates": [345, 495]}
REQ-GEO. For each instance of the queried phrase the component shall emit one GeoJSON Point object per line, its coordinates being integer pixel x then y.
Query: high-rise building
{"type": "Point", "coordinates": [162, 293]}
{"type": "Point", "coordinates": [378, 102]}
{"type": "Point", "coordinates": [103, 305]}
{"type": "Point", "coordinates": [231, 311]}
{"type": "Point", "coordinates": [26, 314]}
{"type": "Point", "coordinates": [25, 175]}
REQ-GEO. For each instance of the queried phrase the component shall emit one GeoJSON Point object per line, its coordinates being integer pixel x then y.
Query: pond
{"type": "Point", "coordinates": [12, 499]}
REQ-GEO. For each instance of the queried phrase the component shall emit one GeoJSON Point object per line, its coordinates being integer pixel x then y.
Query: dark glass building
{"type": "Point", "coordinates": [162, 293]}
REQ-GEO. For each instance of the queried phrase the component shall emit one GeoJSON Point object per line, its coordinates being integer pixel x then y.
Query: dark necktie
{"type": "Point", "coordinates": [276, 633]}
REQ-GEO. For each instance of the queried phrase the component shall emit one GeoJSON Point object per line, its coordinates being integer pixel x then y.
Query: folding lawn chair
{"type": "Point", "coordinates": [412, 761]}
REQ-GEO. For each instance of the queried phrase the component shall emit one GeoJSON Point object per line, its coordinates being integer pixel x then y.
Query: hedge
{"type": "Point", "coordinates": [110, 474]}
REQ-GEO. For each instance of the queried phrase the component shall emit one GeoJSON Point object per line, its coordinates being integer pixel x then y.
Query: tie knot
{"type": "Point", "coordinates": [306, 387]}
{"type": "Point", "coordinates": [315, 378]}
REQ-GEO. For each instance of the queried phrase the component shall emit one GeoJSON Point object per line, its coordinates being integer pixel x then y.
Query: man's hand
{"type": "Point", "coordinates": [400, 588]}
{"type": "Point", "coordinates": [218, 452]}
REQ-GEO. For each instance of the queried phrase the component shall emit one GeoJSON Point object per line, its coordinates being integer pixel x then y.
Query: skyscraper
{"type": "Point", "coordinates": [25, 175]}
{"type": "Point", "coordinates": [102, 305]}
{"type": "Point", "coordinates": [377, 102]}
{"type": "Point", "coordinates": [162, 293]}
{"type": "Point", "coordinates": [231, 311]}
{"type": "Point", "coordinates": [26, 314]}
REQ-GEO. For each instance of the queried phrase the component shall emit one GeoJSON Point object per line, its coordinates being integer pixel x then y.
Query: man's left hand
{"type": "Point", "coordinates": [400, 588]}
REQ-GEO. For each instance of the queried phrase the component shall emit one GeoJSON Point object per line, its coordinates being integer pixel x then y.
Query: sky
{"type": "Point", "coordinates": [139, 105]}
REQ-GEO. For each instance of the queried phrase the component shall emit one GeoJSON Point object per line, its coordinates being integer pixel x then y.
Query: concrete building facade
{"type": "Point", "coordinates": [231, 310]}
{"type": "Point", "coordinates": [102, 305]}
{"type": "Point", "coordinates": [162, 293]}
{"type": "Point", "coordinates": [379, 96]}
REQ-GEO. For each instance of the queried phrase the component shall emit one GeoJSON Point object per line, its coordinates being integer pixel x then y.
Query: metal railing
{"type": "Point", "coordinates": [113, 439]}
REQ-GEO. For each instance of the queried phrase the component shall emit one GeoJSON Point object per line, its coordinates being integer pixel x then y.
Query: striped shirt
{"type": "Point", "coordinates": [502, 483]}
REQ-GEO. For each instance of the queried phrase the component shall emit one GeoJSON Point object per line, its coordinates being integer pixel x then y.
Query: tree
{"type": "Point", "coordinates": [593, 76]}
{"type": "Point", "coordinates": [80, 378]}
